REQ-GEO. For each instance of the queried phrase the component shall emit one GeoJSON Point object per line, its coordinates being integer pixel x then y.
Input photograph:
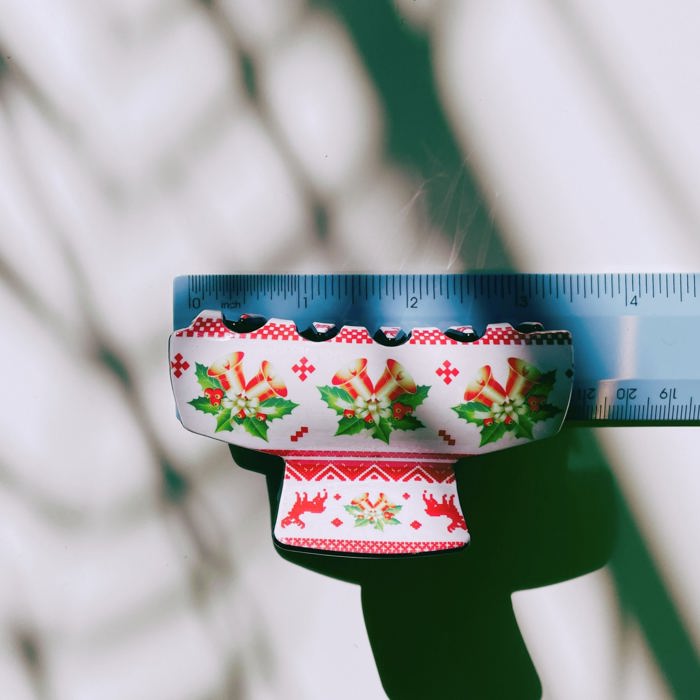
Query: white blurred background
{"type": "Point", "coordinates": [141, 139]}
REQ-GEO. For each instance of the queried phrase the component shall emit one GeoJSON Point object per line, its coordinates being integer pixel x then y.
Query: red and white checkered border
{"type": "Point", "coordinates": [209, 324]}
{"type": "Point", "coordinates": [370, 547]}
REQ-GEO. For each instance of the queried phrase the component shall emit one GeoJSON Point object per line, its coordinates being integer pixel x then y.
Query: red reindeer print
{"type": "Point", "coordinates": [303, 505]}
{"type": "Point", "coordinates": [445, 507]}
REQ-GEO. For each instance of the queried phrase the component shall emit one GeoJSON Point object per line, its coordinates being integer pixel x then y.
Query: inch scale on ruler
{"type": "Point", "coordinates": [636, 336]}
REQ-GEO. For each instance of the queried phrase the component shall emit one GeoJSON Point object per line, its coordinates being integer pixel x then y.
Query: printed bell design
{"type": "Point", "coordinates": [355, 380]}
{"type": "Point", "coordinates": [485, 389]}
{"type": "Point", "coordinates": [522, 376]}
{"type": "Point", "coordinates": [394, 381]}
{"type": "Point", "coordinates": [229, 371]}
{"type": "Point", "coordinates": [265, 384]}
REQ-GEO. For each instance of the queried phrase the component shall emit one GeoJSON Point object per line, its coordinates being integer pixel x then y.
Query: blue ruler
{"type": "Point", "coordinates": [636, 336]}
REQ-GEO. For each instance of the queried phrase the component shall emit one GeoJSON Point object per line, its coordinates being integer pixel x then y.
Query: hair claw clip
{"type": "Point", "coordinates": [370, 431]}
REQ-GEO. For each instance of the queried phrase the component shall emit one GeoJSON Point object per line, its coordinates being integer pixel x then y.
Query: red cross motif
{"type": "Point", "coordinates": [447, 372]}
{"type": "Point", "coordinates": [180, 365]}
{"type": "Point", "coordinates": [303, 368]}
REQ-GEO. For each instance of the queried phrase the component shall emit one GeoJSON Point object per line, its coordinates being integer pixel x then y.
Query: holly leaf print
{"type": "Point", "coordinates": [547, 410]}
{"type": "Point", "coordinates": [350, 426]}
{"type": "Point", "coordinates": [382, 430]}
{"type": "Point", "coordinates": [276, 407]}
{"type": "Point", "coordinates": [492, 433]}
{"type": "Point", "coordinates": [338, 399]}
{"type": "Point", "coordinates": [257, 428]}
{"type": "Point", "coordinates": [544, 385]}
{"type": "Point", "coordinates": [472, 412]}
{"type": "Point", "coordinates": [416, 399]}
{"type": "Point", "coordinates": [202, 403]}
{"type": "Point", "coordinates": [406, 423]}
{"type": "Point", "coordinates": [523, 428]}
{"type": "Point", "coordinates": [205, 381]}
{"type": "Point", "coordinates": [223, 421]}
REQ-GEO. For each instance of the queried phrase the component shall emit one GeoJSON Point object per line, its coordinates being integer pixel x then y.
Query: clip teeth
{"type": "Point", "coordinates": [247, 323]}
{"type": "Point", "coordinates": [462, 334]}
{"type": "Point", "coordinates": [319, 331]}
{"type": "Point", "coordinates": [391, 336]}
{"type": "Point", "coordinates": [529, 327]}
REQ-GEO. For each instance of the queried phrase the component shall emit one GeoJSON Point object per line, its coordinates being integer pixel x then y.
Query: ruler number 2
{"type": "Point", "coordinates": [412, 302]}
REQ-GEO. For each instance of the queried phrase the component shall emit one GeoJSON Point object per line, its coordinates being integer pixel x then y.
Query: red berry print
{"type": "Point", "coordinates": [214, 396]}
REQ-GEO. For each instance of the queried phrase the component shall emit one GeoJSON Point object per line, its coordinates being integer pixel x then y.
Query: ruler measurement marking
{"type": "Point", "coordinates": [677, 295]}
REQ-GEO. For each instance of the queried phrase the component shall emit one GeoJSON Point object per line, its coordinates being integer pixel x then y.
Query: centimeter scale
{"type": "Point", "coordinates": [635, 336]}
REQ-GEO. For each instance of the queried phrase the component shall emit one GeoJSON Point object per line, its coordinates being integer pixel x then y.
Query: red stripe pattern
{"type": "Point", "coordinates": [368, 470]}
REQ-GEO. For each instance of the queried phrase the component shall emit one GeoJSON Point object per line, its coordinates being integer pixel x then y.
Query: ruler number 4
{"type": "Point", "coordinates": [632, 301]}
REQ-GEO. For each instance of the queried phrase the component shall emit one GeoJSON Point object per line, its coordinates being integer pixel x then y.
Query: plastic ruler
{"type": "Point", "coordinates": [636, 336]}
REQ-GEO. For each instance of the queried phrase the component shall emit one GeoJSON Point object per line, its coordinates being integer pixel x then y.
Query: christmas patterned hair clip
{"type": "Point", "coordinates": [369, 431]}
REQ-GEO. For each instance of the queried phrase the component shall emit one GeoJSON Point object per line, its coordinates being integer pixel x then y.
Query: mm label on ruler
{"type": "Point", "coordinates": [636, 335]}
{"type": "Point", "coordinates": [637, 401]}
